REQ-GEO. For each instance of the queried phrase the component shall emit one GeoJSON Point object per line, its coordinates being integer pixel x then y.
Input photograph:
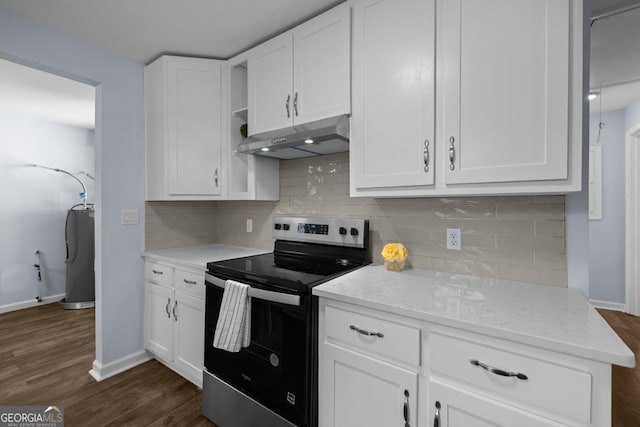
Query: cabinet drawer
{"type": "Point", "coordinates": [398, 341]}
{"type": "Point", "coordinates": [548, 386]}
{"type": "Point", "coordinates": [190, 282]}
{"type": "Point", "coordinates": [159, 273]}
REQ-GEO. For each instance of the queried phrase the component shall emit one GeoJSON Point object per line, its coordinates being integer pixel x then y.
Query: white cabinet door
{"type": "Point", "coordinates": [505, 82]}
{"type": "Point", "coordinates": [188, 314]}
{"type": "Point", "coordinates": [357, 390]}
{"type": "Point", "coordinates": [194, 92]}
{"type": "Point", "coordinates": [392, 125]}
{"type": "Point", "coordinates": [270, 74]}
{"type": "Point", "coordinates": [453, 407]}
{"type": "Point", "coordinates": [159, 323]}
{"type": "Point", "coordinates": [322, 66]}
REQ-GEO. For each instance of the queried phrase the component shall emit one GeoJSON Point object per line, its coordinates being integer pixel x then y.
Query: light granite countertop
{"type": "Point", "coordinates": [549, 317]}
{"type": "Point", "coordinates": [199, 256]}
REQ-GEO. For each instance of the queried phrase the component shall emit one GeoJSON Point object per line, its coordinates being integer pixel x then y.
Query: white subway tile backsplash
{"type": "Point", "coordinates": [518, 238]}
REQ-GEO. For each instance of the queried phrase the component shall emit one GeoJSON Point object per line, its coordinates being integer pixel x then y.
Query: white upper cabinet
{"type": "Point", "coordinates": [183, 113]}
{"type": "Point", "coordinates": [322, 66]}
{"type": "Point", "coordinates": [270, 83]}
{"type": "Point", "coordinates": [506, 113]}
{"type": "Point", "coordinates": [302, 75]}
{"type": "Point", "coordinates": [505, 87]}
{"type": "Point", "coordinates": [392, 127]}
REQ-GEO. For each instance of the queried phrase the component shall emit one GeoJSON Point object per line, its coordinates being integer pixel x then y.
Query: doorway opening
{"type": "Point", "coordinates": [46, 121]}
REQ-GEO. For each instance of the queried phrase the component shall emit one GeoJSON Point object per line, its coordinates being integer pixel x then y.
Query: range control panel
{"type": "Point", "coordinates": [331, 231]}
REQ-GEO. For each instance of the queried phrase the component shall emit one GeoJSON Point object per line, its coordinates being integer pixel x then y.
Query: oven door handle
{"type": "Point", "coordinates": [271, 296]}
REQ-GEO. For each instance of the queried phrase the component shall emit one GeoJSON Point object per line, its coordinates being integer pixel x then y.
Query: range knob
{"type": "Point", "coordinates": [277, 226]}
{"type": "Point", "coordinates": [342, 231]}
{"type": "Point", "coordinates": [285, 227]}
{"type": "Point", "coordinates": [353, 231]}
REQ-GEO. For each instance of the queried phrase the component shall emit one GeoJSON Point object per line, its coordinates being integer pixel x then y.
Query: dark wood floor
{"type": "Point", "coordinates": [45, 355]}
{"type": "Point", "coordinates": [46, 352]}
{"type": "Point", "coordinates": [626, 381]}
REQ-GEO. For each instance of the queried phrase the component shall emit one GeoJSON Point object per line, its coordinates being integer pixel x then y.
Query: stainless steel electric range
{"type": "Point", "coordinates": [273, 381]}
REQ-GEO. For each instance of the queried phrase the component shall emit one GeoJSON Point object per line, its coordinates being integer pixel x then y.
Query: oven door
{"type": "Point", "coordinates": [276, 368]}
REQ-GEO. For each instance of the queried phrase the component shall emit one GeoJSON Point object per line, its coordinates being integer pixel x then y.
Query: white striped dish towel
{"type": "Point", "coordinates": [233, 329]}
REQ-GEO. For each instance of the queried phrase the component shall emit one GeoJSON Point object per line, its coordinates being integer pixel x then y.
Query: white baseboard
{"type": "Point", "coordinates": [102, 372]}
{"type": "Point", "coordinates": [607, 305]}
{"type": "Point", "coordinates": [30, 303]}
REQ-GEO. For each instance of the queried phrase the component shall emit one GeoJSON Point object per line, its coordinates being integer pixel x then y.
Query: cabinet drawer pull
{"type": "Point", "coordinates": [365, 332]}
{"type": "Point", "coordinates": [189, 282]}
{"type": "Point", "coordinates": [215, 177]}
{"type": "Point", "coordinates": [497, 371]}
{"type": "Point", "coordinates": [158, 272]}
{"type": "Point", "coordinates": [166, 308]}
{"type": "Point", "coordinates": [405, 409]}
{"type": "Point", "coordinates": [452, 153]}
{"type": "Point", "coordinates": [286, 105]}
{"type": "Point", "coordinates": [436, 418]}
{"type": "Point", "coordinates": [426, 155]}
{"type": "Point", "coordinates": [295, 103]}
{"type": "Point", "coordinates": [175, 316]}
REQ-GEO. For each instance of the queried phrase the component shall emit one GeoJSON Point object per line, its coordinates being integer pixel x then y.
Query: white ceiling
{"type": "Point", "coordinates": [33, 93]}
{"type": "Point", "coordinates": [142, 30]}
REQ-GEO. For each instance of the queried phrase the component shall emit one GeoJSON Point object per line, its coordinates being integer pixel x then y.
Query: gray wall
{"type": "Point", "coordinates": [607, 248]}
{"type": "Point", "coordinates": [577, 204]}
{"type": "Point", "coordinates": [119, 169]}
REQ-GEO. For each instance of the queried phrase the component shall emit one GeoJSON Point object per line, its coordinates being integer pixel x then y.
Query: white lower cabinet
{"type": "Point", "coordinates": [375, 368]}
{"type": "Point", "coordinates": [363, 380]}
{"type": "Point", "coordinates": [363, 391]}
{"type": "Point", "coordinates": [158, 321]}
{"type": "Point", "coordinates": [456, 407]}
{"type": "Point", "coordinates": [174, 320]}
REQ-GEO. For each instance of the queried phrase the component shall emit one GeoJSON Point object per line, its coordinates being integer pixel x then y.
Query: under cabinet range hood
{"type": "Point", "coordinates": [327, 136]}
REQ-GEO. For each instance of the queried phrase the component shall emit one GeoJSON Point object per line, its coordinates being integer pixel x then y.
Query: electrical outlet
{"type": "Point", "coordinates": [249, 225]}
{"type": "Point", "coordinates": [454, 239]}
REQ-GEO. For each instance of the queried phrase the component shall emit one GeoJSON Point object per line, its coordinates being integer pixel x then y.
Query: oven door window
{"type": "Point", "coordinates": [273, 369]}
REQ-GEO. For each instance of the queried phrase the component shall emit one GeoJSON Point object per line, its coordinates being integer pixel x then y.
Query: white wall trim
{"type": "Point", "coordinates": [102, 372]}
{"type": "Point", "coordinates": [632, 212]}
{"type": "Point", "coordinates": [608, 305]}
{"type": "Point", "coordinates": [30, 303]}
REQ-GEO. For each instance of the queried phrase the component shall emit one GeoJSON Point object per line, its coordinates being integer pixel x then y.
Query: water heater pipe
{"type": "Point", "coordinates": [84, 188]}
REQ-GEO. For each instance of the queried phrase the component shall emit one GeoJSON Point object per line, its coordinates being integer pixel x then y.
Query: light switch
{"type": "Point", "coordinates": [129, 217]}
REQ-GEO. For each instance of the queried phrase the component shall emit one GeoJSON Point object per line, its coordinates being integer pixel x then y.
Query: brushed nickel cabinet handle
{"type": "Point", "coordinates": [295, 103]}
{"type": "Point", "coordinates": [436, 419]}
{"type": "Point", "coordinates": [286, 105]}
{"type": "Point", "coordinates": [497, 371]}
{"type": "Point", "coordinates": [189, 282]}
{"type": "Point", "coordinates": [452, 153]}
{"type": "Point", "coordinates": [426, 155]}
{"type": "Point", "coordinates": [405, 409]}
{"type": "Point", "coordinates": [175, 316]}
{"type": "Point", "coordinates": [365, 332]}
{"type": "Point", "coordinates": [215, 177]}
{"type": "Point", "coordinates": [158, 272]}
{"type": "Point", "coordinates": [166, 308]}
